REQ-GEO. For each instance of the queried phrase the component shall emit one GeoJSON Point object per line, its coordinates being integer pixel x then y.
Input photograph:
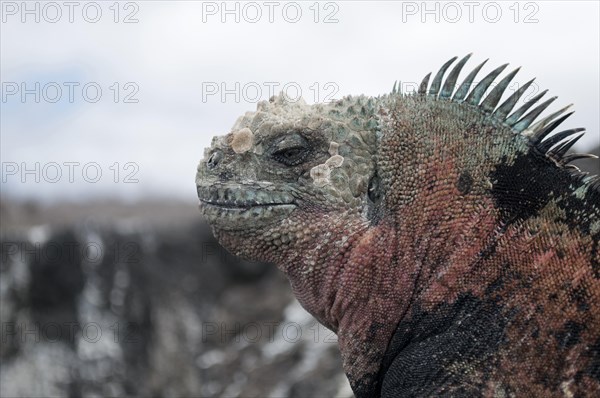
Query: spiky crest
{"type": "Point", "coordinates": [553, 146]}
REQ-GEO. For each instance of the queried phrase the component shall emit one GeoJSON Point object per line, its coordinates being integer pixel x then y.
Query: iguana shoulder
{"type": "Point", "coordinates": [507, 235]}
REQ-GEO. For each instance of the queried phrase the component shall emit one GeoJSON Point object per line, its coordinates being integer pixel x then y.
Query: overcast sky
{"type": "Point", "coordinates": [174, 74]}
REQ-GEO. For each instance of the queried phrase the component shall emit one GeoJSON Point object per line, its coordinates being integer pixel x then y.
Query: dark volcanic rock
{"type": "Point", "coordinates": [126, 310]}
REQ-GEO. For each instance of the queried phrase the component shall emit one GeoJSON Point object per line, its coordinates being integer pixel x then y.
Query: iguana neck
{"type": "Point", "coordinates": [356, 291]}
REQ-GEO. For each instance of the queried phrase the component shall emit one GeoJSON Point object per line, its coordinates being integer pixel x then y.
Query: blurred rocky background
{"type": "Point", "coordinates": [118, 300]}
{"type": "Point", "coordinates": [112, 299]}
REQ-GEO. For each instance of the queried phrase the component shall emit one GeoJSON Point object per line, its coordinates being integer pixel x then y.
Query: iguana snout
{"type": "Point", "coordinates": [230, 193]}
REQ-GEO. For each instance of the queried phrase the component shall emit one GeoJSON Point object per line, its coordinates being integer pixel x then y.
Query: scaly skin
{"type": "Point", "coordinates": [451, 250]}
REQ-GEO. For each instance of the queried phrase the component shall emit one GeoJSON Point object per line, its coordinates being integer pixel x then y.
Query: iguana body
{"type": "Point", "coordinates": [449, 245]}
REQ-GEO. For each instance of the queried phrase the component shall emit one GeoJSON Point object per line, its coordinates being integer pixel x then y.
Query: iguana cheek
{"type": "Point", "coordinates": [322, 172]}
{"type": "Point", "coordinates": [320, 175]}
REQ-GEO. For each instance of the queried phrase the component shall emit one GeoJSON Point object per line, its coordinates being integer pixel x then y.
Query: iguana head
{"type": "Point", "coordinates": [287, 163]}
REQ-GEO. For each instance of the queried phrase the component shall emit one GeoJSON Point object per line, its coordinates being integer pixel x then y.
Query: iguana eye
{"type": "Point", "coordinates": [291, 150]}
{"type": "Point", "coordinates": [292, 156]}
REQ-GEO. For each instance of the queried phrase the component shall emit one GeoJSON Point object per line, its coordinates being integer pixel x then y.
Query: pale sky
{"type": "Point", "coordinates": [169, 66]}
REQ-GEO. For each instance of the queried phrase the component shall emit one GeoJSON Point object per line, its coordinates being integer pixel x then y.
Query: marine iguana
{"type": "Point", "coordinates": [447, 241]}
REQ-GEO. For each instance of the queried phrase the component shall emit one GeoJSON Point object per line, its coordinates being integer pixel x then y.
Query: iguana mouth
{"type": "Point", "coordinates": [232, 207]}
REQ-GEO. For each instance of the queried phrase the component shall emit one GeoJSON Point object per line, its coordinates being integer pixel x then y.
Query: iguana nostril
{"type": "Point", "coordinates": [214, 159]}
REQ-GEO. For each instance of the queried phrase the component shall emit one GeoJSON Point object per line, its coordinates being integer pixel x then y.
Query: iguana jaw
{"type": "Point", "coordinates": [236, 207]}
